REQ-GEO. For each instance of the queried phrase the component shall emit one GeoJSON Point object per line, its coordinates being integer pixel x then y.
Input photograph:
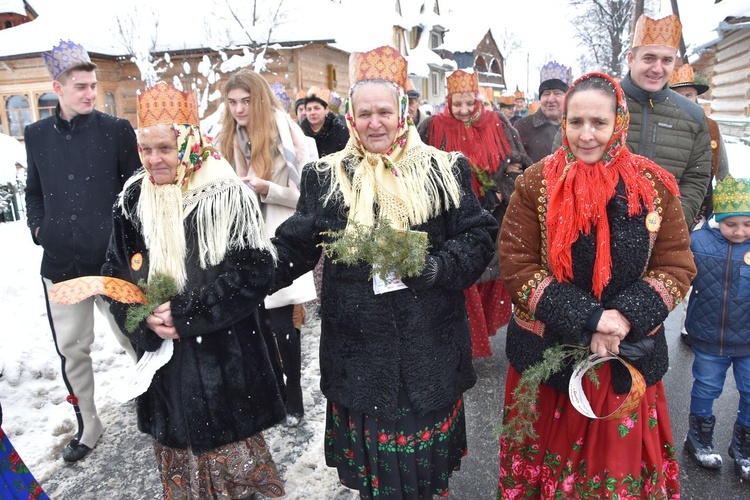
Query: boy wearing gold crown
{"type": "Point", "coordinates": [718, 323]}
{"type": "Point", "coordinates": [189, 217]}
{"type": "Point", "coordinates": [78, 160]}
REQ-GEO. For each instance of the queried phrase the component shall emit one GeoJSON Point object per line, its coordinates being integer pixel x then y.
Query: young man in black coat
{"type": "Point", "coordinates": [78, 161]}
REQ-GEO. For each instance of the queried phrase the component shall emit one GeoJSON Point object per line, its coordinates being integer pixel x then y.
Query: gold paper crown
{"type": "Point", "coordinates": [488, 93]}
{"type": "Point", "coordinates": [683, 74]}
{"type": "Point", "coordinates": [163, 103]}
{"type": "Point", "coordinates": [508, 100]}
{"type": "Point", "coordinates": [732, 196]}
{"type": "Point", "coordinates": [461, 81]}
{"type": "Point", "coordinates": [382, 63]}
{"type": "Point", "coordinates": [664, 31]}
{"type": "Point", "coordinates": [321, 93]}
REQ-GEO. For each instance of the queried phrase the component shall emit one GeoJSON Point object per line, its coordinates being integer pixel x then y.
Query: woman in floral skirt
{"type": "Point", "coordinates": [595, 253]}
{"type": "Point", "coordinates": [395, 355]}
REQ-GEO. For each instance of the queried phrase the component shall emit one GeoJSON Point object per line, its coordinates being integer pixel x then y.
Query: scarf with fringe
{"type": "Point", "coordinates": [227, 215]}
{"type": "Point", "coordinates": [579, 194]}
{"type": "Point", "coordinates": [403, 182]}
{"type": "Point", "coordinates": [482, 139]}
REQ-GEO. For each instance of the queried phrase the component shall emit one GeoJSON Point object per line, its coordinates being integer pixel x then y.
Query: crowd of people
{"type": "Point", "coordinates": [570, 223]}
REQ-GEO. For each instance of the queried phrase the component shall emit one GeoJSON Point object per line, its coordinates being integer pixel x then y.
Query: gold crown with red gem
{"type": "Point", "coordinates": [382, 63]}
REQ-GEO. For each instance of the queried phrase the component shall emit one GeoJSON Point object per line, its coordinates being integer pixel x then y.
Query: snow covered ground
{"type": "Point", "coordinates": [39, 422]}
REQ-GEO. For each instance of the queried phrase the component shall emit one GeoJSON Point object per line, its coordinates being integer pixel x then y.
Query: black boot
{"type": "Point", "coordinates": [700, 442]}
{"type": "Point", "coordinates": [739, 450]}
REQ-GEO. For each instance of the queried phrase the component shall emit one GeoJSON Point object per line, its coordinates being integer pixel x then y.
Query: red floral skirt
{"type": "Point", "coordinates": [488, 306]}
{"type": "Point", "coordinates": [577, 457]}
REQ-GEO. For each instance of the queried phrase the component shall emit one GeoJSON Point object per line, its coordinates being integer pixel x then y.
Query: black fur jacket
{"type": "Point", "coordinates": [219, 386]}
{"type": "Point", "coordinates": [372, 344]}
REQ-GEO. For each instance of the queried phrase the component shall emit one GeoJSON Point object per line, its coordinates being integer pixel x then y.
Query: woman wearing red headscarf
{"type": "Point", "coordinates": [595, 253]}
{"type": "Point", "coordinates": [496, 157]}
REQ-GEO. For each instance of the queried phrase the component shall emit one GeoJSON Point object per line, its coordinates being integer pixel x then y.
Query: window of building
{"type": "Point", "coordinates": [18, 113]}
{"type": "Point", "coordinates": [46, 104]}
{"type": "Point", "coordinates": [434, 83]}
{"type": "Point", "coordinates": [110, 104]}
{"type": "Point", "coordinates": [434, 40]}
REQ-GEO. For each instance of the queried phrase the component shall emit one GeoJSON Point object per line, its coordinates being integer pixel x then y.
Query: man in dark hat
{"type": "Point", "coordinates": [327, 128]}
{"type": "Point", "coordinates": [686, 84]}
{"type": "Point", "coordinates": [538, 130]}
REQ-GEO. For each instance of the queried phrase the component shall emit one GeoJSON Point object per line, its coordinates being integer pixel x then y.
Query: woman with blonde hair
{"type": "Point", "coordinates": [268, 151]}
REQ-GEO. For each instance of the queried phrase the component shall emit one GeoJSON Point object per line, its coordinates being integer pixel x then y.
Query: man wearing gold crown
{"type": "Point", "coordinates": [687, 85]}
{"type": "Point", "coordinates": [188, 216]}
{"type": "Point", "coordinates": [664, 127]}
{"type": "Point", "coordinates": [78, 160]}
{"type": "Point", "coordinates": [718, 324]}
{"type": "Point", "coordinates": [538, 130]}
{"type": "Point", "coordinates": [395, 354]}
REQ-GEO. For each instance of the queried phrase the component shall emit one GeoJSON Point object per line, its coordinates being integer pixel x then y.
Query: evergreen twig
{"type": "Point", "coordinates": [158, 291]}
{"type": "Point", "coordinates": [520, 426]}
{"type": "Point", "coordinates": [383, 247]}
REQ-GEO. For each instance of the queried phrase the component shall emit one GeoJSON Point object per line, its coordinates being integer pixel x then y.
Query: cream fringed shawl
{"type": "Point", "coordinates": [410, 183]}
{"type": "Point", "coordinates": [226, 211]}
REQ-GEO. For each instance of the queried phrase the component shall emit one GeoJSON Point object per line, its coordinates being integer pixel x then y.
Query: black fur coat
{"type": "Point", "coordinates": [219, 386]}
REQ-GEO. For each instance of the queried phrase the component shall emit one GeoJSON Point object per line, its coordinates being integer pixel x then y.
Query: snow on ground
{"type": "Point", "coordinates": [40, 423]}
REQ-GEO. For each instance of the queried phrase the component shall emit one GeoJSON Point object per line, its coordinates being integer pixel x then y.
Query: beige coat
{"type": "Point", "coordinates": [293, 151]}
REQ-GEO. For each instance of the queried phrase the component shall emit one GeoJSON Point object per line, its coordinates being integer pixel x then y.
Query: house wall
{"type": "Point", "coordinates": [296, 68]}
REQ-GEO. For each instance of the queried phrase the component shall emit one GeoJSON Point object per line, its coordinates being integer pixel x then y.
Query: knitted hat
{"type": "Point", "coordinates": [318, 94]}
{"type": "Point", "coordinates": [664, 31]}
{"type": "Point", "coordinates": [382, 63]}
{"type": "Point", "coordinates": [67, 55]}
{"type": "Point", "coordinates": [731, 197]}
{"type": "Point", "coordinates": [164, 104]}
{"type": "Point", "coordinates": [684, 77]}
{"type": "Point", "coordinates": [461, 81]}
{"type": "Point", "coordinates": [554, 76]}
{"type": "Point", "coordinates": [280, 93]}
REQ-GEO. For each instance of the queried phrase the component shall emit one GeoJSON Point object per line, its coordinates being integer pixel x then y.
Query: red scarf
{"type": "Point", "coordinates": [579, 194]}
{"type": "Point", "coordinates": [482, 140]}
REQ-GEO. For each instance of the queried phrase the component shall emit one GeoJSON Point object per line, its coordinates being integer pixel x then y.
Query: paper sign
{"type": "Point", "coordinates": [138, 378]}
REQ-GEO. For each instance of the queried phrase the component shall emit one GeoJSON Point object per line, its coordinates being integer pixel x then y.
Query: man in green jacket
{"type": "Point", "coordinates": [664, 126]}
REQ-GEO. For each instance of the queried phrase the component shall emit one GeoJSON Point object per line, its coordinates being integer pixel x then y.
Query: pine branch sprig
{"type": "Point", "coordinates": [158, 290]}
{"type": "Point", "coordinates": [520, 426]}
{"type": "Point", "coordinates": [383, 247]}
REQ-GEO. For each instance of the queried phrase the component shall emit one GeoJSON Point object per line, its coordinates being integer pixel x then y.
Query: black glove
{"type": "Point", "coordinates": [430, 275]}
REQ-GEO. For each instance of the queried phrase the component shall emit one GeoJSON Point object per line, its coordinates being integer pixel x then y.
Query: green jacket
{"type": "Point", "coordinates": [673, 132]}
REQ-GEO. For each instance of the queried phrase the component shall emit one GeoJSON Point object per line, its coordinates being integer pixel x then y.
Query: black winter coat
{"type": "Point", "coordinates": [372, 344]}
{"type": "Point", "coordinates": [219, 386]}
{"type": "Point", "coordinates": [75, 171]}
{"type": "Point", "coordinates": [332, 136]}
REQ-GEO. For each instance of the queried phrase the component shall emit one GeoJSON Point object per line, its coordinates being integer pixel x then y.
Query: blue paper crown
{"type": "Point", "coordinates": [64, 56]}
{"type": "Point", "coordinates": [556, 71]}
{"type": "Point", "coordinates": [280, 93]}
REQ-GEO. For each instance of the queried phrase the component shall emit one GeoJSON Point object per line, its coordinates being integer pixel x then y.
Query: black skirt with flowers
{"type": "Point", "coordinates": [410, 458]}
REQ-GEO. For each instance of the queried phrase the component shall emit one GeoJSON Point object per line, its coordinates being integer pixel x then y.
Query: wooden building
{"type": "Point", "coordinates": [482, 55]}
{"type": "Point", "coordinates": [725, 61]}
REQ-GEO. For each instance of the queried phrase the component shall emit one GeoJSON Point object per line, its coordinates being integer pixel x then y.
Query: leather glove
{"type": "Point", "coordinates": [430, 275]}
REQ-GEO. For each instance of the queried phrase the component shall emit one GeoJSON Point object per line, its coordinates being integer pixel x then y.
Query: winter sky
{"type": "Point", "coordinates": [542, 26]}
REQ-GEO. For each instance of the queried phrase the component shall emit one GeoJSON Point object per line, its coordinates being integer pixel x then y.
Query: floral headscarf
{"type": "Point", "coordinates": [579, 192]}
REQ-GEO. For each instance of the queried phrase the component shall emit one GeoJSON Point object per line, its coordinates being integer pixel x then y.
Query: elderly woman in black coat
{"type": "Point", "coordinates": [395, 356]}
